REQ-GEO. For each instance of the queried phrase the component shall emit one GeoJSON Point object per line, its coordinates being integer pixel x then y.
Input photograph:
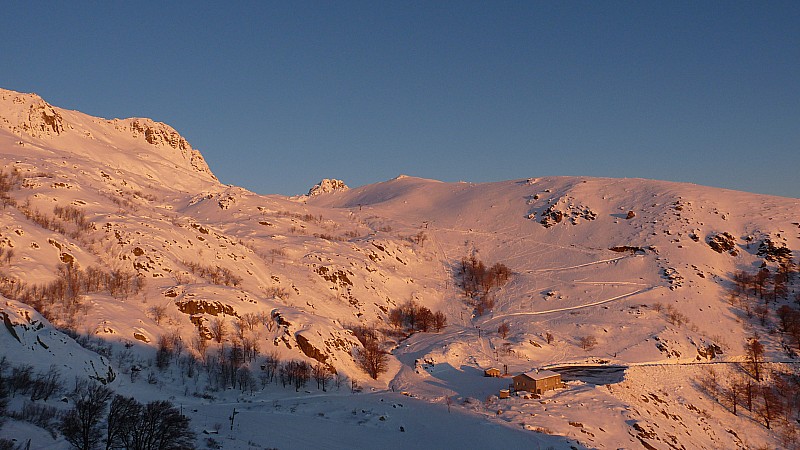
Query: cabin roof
{"type": "Point", "coordinates": [540, 375]}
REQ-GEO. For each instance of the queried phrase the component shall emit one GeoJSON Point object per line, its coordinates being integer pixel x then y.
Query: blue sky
{"type": "Point", "coordinates": [277, 95]}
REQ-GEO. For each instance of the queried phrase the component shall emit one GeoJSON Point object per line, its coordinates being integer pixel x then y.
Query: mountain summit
{"type": "Point", "coordinates": [124, 142]}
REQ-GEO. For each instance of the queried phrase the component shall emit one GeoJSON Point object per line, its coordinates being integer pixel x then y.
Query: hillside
{"type": "Point", "coordinates": [119, 235]}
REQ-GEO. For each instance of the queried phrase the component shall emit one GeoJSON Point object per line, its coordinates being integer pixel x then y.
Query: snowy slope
{"type": "Point", "coordinates": [596, 257]}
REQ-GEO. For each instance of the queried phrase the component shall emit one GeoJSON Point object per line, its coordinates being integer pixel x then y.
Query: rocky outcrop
{"type": "Point", "coordinates": [771, 252]}
{"type": "Point", "coordinates": [163, 135]}
{"type": "Point", "coordinates": [309, 350]}
{"type": "Point", "coordinates": [327, 186]}
{"type": "Point", "coordinates": [564, 211]}
{"type": "Point", "coordinates": [31, 115]}
{"type": "Point", "coordinates": [214, 308]}
{"type": "Point", "coordinates": [723, 242]}
{"type": "Point", "coordinates": [28, 338]}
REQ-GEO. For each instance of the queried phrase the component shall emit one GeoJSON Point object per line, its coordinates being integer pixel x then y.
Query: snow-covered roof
{"type": "Point", "coordinates": [540, 375]}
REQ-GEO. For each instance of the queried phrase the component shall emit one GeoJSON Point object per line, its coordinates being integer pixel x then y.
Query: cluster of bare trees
{"type": "Point", "coordinates": [73, 215]}
{"type": "Point", "coordinates": [98, 417]}
{"type": "Point", "coordinates": [371, 356]}
{"type": "Point", "coordinates": [587, 342]}
{"type": "Point", "coordinates": [419, 238]}
{"type": "Point", "coordinates": [789, 322]}
{"type": "Point", "coordinates": [673, 315]}
{"type": "Point", "coordinates": [214, 274]}
{"type": "Point", "coordinates": [477, 280]}
{"type": "Point", "coordinates": [773, 401]}
{"type": "Point", "coordinates": [60, 300]}
{"type": "Point", "coordinates": [68, 221]}
{"type": "Point", "coordinates": [760, 292]}
{"type": "Point", "coordinates": [6, 255]}
{"type": "Point", "coordinates": [411, 317]}
{"type": "Point", "coordinates": [9, 182]}
{"type": "Point", "coordinates": [22, 380]}
{"type": "Point", "coordinates": [227, 367]}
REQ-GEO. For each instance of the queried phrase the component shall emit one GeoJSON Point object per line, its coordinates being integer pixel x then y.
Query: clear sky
{"type": "Point", "coordinates": [277, 95]}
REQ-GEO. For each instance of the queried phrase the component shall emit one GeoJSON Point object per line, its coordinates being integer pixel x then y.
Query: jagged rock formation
{"type": "Point", "coordinates": [326, 186]}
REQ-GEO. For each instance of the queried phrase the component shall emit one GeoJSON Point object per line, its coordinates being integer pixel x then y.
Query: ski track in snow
{"type": "Point", "coordinates": [571, 308]}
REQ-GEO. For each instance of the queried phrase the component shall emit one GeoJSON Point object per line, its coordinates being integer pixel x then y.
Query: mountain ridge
{"type": "Point", "coordinates": [644, 267]}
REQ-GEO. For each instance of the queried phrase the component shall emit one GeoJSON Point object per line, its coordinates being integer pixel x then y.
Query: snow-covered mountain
{"type": "Point", "coordinates": [148, 249]}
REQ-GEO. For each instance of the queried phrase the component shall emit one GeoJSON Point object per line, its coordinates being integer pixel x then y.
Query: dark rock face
{"type": "Point", "coordinates": [629, 249]}
{"type": "Point", "coordinates": [570, 212]}
{"type": "Point", "coordinates": [309, 350]}
{"type": "Point", "coordinates": [214, 308]}
{"type": "Point", "coordinates": [771, 252]}
{"type": "Point", "coordinates": [723, 242]}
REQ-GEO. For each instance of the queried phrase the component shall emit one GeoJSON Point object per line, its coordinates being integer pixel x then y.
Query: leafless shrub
{"type": "Point", "coordinates": [587, 342]}
{"type": "Point", "coordinates": [46, 384]}
{"type": "Point", "coordinates": [676, 317]}
{"type": "Point", "coordinates": [214, 274]}
{"type": "Point", "coordinates": [328, 237]}
{"type": "Point", "coordinates": [44, 416]}
{"type": "Point", "coordinates": [218, 328]}
{"type": "Point", "coordinates": [295, 230]}
{"type": "Point", "coordinates": [372, 358]}
{"type": "Point", "coordinates": [276, 291]}
{"type": "Point", "coordinates": [477, 281]}
{"type": "Point", "coordinates": [412, 317]}
{"type": "Point", "coordinates": [157, 313]}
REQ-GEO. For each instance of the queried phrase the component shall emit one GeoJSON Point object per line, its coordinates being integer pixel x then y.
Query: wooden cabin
{"type": "Point", "coordinates": [537, 382]}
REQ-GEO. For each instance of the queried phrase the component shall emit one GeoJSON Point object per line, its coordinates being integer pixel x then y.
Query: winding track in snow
{"type": "Point", "coordinates": [570, 308]}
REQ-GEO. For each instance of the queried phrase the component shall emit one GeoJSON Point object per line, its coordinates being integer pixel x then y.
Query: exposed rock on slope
{"type": "Point", "coordinates": [327, 186]}
{"type": "Point", "coordinates": [28, 338]}
{"type": "Point", "coordinates": [29, 116]}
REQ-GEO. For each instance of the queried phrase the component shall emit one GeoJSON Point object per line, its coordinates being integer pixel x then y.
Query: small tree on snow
{"type": "Point", "coordinates": [372, 358]}
{"type": "Point", "coordinates": [503, 330]}
{"type": "Point", "coordinates": [81, 424]}
{"type": "Point", "coordinates": [587, 342]}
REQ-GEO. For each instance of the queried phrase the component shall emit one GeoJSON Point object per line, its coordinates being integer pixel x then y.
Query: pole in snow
{"type": "Point", "coordinates": [233, 414]}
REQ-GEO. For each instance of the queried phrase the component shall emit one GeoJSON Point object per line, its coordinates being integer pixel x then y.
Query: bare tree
{"type": "Point", "coordinates": [45, 385]}
{"type": "Point", "coordinates": [770, 407]}
{"type": "Point", "coordinates": [322, 375]}
{"type": "Point", "coordinates": [81, 424]}
{"type": "Point", "coordinates": [372, 358]}
{"type": "Point", "coordinates": [396, 318]}
{"type": "Point", "coordinates": [503, 330]}
{"type": "Point", "coordinates": [755, 352]}
{"type": "Point", "coordinates": [158, 312]}
{"type": "Point", "coordinates": [218, 328]}
{"type": "Point", "coordinates": [587, 342]}
{"type": "Point", "coordinates": [161, 426]}
{"type": "Point", "coordinates": [732, 393]}
{"type": "Point", "coordinates": [338, 379]}
{"type": "Point", "coordinates": [121, 420]}
{"type": "Point", "coordinates": [439, 321]}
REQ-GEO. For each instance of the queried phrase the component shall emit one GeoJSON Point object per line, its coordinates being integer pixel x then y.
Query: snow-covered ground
{"type": "Point", "coordinates": [626, 262]}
